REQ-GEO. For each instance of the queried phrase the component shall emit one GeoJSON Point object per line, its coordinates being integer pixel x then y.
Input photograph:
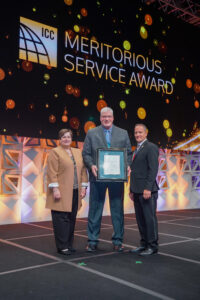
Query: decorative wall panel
{"type": "Point", "coordinates": [23, 180]}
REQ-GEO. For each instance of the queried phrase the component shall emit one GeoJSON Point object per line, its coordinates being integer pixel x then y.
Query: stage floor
{"type": "Point", "coordinates": [30, 267]}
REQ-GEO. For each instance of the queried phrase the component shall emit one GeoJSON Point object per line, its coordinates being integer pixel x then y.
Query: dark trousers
{"type": "Point", "coordinates": [64, 224]}
{"type": "Point", "coordinates": [96, 204]}
{"type": "Point", "coordinates": [145, 211]}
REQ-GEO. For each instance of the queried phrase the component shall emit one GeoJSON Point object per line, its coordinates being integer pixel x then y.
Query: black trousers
{"type": "Point", "coordinates": [145, 211]}
{"type": "Point", "coordinates": [64, 224]}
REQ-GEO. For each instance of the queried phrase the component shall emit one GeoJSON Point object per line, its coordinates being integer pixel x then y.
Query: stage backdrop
{"type": "Point", "coordinates": [62, 61]}
{"type": "Point", "coordinates": [23, 180]}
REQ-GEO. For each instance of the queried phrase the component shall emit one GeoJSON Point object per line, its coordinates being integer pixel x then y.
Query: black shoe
{"type": "Point", "coordinates": [148, 251]}
{"type": "Point", "coordinates": [137, 250]}
{"type": "Point", "coordinates": [72, 250]}
{"type": "Point", "coordinates": [91, 248]}
{"type": "Point", "coordinates": [118, 248]}
{"type": "Point", "coordinates": [64, 252]}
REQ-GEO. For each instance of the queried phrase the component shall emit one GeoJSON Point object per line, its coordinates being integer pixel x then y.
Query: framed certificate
{"type": "Point", "coordinates": [112, 164]}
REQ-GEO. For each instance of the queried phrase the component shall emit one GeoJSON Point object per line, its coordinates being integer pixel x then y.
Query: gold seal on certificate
{"type": "Point", "coordinates": [112, 164]}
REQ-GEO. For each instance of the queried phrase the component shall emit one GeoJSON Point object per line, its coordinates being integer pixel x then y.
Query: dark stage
{"type": "Point", "coordinates": [30, 268]}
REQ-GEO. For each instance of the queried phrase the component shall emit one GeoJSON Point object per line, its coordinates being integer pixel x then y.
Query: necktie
{"type": "Point", "coordinates": [136, 151]}
{"type": "Point", "coordinates": [108, 138]}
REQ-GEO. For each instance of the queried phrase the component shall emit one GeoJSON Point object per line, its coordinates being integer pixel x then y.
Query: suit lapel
{"type": "Point", "coordinates": [143, 145]}
{"type": "Point", "coordinates": [140, 149]}
{"type": "Point", "coordinates": [65, 154]}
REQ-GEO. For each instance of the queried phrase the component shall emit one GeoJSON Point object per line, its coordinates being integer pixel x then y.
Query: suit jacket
{"type": "Point", "coordinates": [60, 169]}
{"type": "Point", "coordinates": [144, 169]}
{"type": "Point", "coordinates": [95, 139]}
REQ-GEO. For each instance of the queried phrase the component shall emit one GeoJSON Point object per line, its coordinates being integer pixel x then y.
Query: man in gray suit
{"type": "Point", "coordinates": [105, 136]}
{"type": "Point", "coordinates": [144, 191]}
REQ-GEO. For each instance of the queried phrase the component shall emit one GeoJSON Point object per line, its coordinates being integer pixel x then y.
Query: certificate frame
{"type": "Point", "coordinates": [112, 164]}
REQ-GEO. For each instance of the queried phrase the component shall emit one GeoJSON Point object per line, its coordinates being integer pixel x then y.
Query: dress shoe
{"type": "Point", "coordinates": [91, 248]}
{"type": "Point", "coordinates": [148, 251]}
{"type": "Point", "coordinates": [72, 250]}
{"type": "Point", "coordinates": [137, 250]}
{"type": "Point", "coordinates": [118, 248]}
{"type": "Point", "coordinates": [64, 252]}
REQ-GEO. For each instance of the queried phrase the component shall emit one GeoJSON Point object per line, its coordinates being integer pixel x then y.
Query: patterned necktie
{"type": "Point", "coordinates": [108, 138]}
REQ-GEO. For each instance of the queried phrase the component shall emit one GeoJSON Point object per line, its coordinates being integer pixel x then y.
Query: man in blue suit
{"type": "Point", "coordinates": [105, 136]}
{"type": "Point", "coordinates": [144, 191]}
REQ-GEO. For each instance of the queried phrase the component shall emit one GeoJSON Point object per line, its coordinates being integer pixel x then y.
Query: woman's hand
{"type": "Point", "coordinates": [56, 193]}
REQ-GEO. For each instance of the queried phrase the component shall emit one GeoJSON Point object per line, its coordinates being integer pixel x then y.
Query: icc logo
{"type": "Point", "coordinates": [49, 34]}
{"type": "Point", "coordinates": [37, 42]}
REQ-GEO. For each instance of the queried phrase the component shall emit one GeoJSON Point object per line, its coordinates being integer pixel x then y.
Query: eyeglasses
{"type": "Point", "coordinates": [104, 117]}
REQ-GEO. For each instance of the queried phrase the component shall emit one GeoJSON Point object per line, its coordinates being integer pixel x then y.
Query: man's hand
{"type": "Point", "coordinates": [56, 193]}
{"type": "Point", "coordinates": [146, 194]}
{"type": "Point", "coordinates": [83, 192]}
{"type": "Point", "coordinates": [131, 196]}
{"type": "Point", "coordinates": [94, 170]}
{"type": "Point", "coordinates": [129, 170]}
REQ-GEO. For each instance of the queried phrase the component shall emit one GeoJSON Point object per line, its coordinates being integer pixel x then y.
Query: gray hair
{"type": "Point", "coordinates": [106, 109]}
{"type": "Point", "coordinates": [141, 124]}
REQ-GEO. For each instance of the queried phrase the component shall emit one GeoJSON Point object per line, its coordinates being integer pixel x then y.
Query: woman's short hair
{"type": "Point", "coordinates": [63, 131]}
